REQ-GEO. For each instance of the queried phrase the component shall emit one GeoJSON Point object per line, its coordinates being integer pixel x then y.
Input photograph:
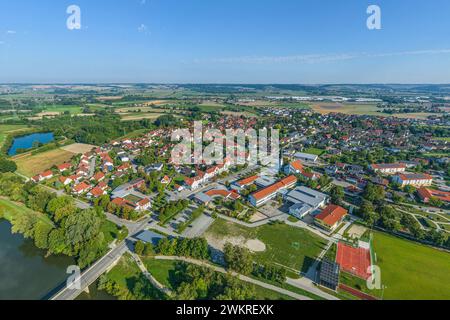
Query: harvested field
{"type": "Point", "coordinates": [79, 148]}
{"type": "Point", "coordinates": [31, 165]}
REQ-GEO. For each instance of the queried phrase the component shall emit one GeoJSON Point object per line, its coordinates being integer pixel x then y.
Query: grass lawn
{"type": "Point", "coordinates": [110, 230]}
{"type": "Point", "coordinates": [125, 270]}
{"type": "Point", "coordinates": [9, 210]}
{"type": "Point", "coordinates": [286, 246]}
{"type": "Point", "coordinates": [315, 151]}
{"type": "Point", "coordinates": [359, 284]}
{"type": "Point", "coordinates": [412, 271]}
{"type": "Point", "coordinates": [31, 165]}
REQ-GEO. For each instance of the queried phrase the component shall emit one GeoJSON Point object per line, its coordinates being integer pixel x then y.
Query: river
{"type": "Point", "coordinates": [25, 272]}
{"type": "Point", "coordinates": [26, 142]}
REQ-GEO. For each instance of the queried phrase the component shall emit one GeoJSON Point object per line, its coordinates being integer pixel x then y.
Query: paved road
{"type": "Point", "coordinates": [93, 273]}
{"type": "Point", "coordinates": [89, 276]}
{"type": "Point", "coordinates": [92, 168]}
{"type": "Point", "coordinates": [241, 277]}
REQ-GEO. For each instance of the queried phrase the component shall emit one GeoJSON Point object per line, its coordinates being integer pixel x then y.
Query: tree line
{"type": "Point", "coordinates": [57, 225]}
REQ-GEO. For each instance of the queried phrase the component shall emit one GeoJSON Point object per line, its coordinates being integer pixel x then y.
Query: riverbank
{"type": "Point", "coordinates": [26, 272]}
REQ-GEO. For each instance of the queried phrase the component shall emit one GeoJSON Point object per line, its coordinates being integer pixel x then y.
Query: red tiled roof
{"type": "Point", "coordinates": [415, 176]}
{"type": "Point", "coordinates": [47, 174]}
{"type": "Point", "coordinates": [283, 183]}
{"type": "Point", "coordinates": [97, 192]}
{"type": "Point", "coordinates": [247, 181]}
{"type": "Point", "coordinates": [222, 193]}
{"type": "Point", "coordinates": [143, 202]}
{"type": "Point", "coordinates": [332, 214]}
{"type": "Point", "coordinates": [64, 166]}
{"type": "Point", "coordinates": [81, 187]}
{"type": "Point", "coordinates": [64, 179]}
{"type": "Point", "coordinates": [389, 166]}
{"type": "Point", "coordinates": [98, 176]}
{"type": "Point", "coordinates": [297, 165]}
{"type": "Point", "coordinates": [102, 185]}
{"type": "Point", "coordinates": [425, 193]}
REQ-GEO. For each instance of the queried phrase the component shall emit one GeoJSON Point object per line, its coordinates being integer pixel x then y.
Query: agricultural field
{"type": "Point", "coordinates": [30, 165]}
{"type": "Point", "coordinates": [62, 108]}
{"type": "Point", "coordinates": [140, 116]}
{"type": "Point", "coordinates": [280, 244]}
{"type": "Point", "coordinates": [362, 109]}
{"type": "Point", "coordinates": [77, 148]}
{"type": "Point", "coordinates": [329, 107]}
{"type": "Point", "coordinates": [411, 271]}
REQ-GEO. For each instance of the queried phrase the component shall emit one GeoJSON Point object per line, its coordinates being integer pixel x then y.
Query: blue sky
{"type": "Point", "coordinates": [218, 41]}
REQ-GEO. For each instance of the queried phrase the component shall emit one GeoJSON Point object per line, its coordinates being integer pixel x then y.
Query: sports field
{"type": "Point", "coordinates": [354, 260]}
{"type": "Point", "coordinates": [290, 247]}
{"type": "Point", "coordinates": [31, 165]}
{"type": "Point", "coordinates": [412, 271]}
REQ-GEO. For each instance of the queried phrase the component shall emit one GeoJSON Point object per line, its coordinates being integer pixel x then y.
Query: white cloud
{"type": "Point", "coordinates": [11, 32]}
{"type": "Point", "coordinates": [318, 58]}
{"type": "Point", "coordinates": [143, 29]}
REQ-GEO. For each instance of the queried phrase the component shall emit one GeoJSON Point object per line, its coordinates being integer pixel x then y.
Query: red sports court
{"type": "Point", "coordinates": [354, 260]}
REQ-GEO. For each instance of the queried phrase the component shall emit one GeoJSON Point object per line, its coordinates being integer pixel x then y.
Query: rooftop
{"type": "Point", "coordinates": [332, 214]}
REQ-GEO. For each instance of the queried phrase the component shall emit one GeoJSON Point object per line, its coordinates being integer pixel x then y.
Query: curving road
{"type": "Point", "coordinates": [89, 276]}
